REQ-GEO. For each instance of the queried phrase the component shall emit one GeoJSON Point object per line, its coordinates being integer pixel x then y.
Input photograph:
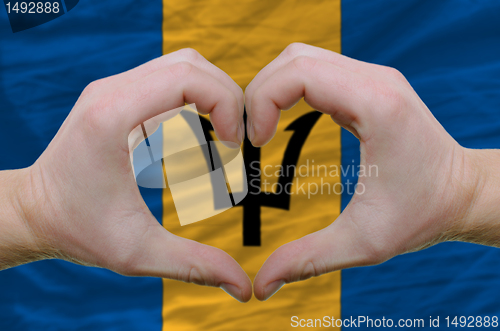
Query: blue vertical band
{"type": "Point", "coordinates": [449, 52]}
{"type": "Point", "coordinates": [43, 70]}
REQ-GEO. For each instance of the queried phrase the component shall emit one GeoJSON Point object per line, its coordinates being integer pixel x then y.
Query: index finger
{"type": "Point", "coordinates": [116, 114]}
{"type": "Point", "coordinates": [326, 87]}
{"type": "Point", "coordinates": [295, 50]}
{"type": "Point", "coordinates": [185, 55]}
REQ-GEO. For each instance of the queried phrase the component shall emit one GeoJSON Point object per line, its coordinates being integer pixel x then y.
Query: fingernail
{"type": "Point", "coordinates": [272, 288]}
{"type": "Point", "coordinates": [250, 130]}
{"type": "Point", "coordinates": [241, 131]}
{"type": "Point", "coordinates": [232, 290]}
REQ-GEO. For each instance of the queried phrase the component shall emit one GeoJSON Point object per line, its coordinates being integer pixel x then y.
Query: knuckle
{"type": "Point", "coordinates": [181, 69]}
{"type": "Point", "coordinates": [93, 88]}
{"type": "Point", "coordinates": [98, 114]}
{"type": "Point", "coordinates": [394, 74]}
{"type": "Point", "coordinates": [390, 96]}
{"type": "Point", "coordinates": [190, 54]}
{"type": "Point", "coordinates": [311, 269]}
{"type": "Point", "coordinates": [376, 249]}
{"type": "Point", "coordinates": [391, 100]}
{"type": "Point", "coordinates": [195, 277]}
{"type": "Point", "coordinates": [295, 49]}
{"type": "Point", "coordinates": [126, 263]}
{"type": "Point", "coordinates": [304, 63]}
{"type": "Point", "coordinates": [191, 274]}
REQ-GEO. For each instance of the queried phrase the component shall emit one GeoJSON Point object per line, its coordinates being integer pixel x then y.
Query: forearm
{"type": "Point", "coordinates": [17, 241]}
{"type": "Point", "coordinates": [481, 224]}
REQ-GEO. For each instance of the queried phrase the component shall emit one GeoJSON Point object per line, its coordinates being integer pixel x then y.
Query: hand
{"type": "Point", "coordinates": [80, 201]}
{"type": "Point", "coordinates": [426, 183]}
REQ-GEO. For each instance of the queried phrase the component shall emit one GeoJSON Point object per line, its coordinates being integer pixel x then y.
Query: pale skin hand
{"type": "Point", "coordinates": [429, 189]}
{"type": "Point", "coordinates": [80, 202]}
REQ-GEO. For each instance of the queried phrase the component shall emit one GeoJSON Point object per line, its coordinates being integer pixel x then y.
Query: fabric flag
{"type": "Point", "coordinates": [450, 54]}
{"type": "Point", "coordinates": [241, 38]}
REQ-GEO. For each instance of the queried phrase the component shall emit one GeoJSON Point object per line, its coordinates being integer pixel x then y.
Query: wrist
{"type": "Point", "coordinates": [480, 222]}
{"type": "Point", "coordinates": [18, 242]}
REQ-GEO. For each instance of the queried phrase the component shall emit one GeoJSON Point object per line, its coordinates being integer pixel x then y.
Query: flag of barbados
{"type": "Point", "coordinates": [449, 51]}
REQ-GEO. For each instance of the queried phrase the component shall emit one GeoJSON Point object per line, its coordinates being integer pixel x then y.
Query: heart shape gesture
{"type": "Point", "coordinates": [80, 202]}
{"type": "Point", "coordinates": [426, 186]}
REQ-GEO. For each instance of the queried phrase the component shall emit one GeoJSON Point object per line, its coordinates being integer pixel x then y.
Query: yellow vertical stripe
{"type": "Point", "coordinates": [241, 37]}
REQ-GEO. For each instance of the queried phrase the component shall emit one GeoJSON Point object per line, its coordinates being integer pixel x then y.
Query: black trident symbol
{"type": "Point", "coordinates": [252, 203]}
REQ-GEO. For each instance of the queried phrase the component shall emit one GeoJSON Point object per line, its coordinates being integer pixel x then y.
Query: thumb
{"type": "Point", "coordinates": [335, 247]}
{"type": "Point", "coordinates": [169, 256]}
